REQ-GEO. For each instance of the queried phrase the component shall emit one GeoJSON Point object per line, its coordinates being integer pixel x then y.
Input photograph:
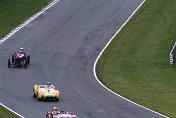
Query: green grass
{"type": "Point", "coordinates": [14, 12]}
{"type": "Point", "coordinates": [136, 64]}
{"type": "Point", "coordinates": [6, 114]}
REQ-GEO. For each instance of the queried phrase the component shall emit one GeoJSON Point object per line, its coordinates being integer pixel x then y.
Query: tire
{"type": "Point", "coordinates": [34, 95]}
{"type": "Point", "coordinates": [25, 64]}
{"type": "Point", "coordinates": [9, 63]}
{"type": "Point", "coordinates": [28, 59]}
{"type": "Point", "coordinates": [57, 99]}
{"type": "Point", "coordinates": [38, 98]}
{"type": "Point", "coordinates": [47, 116]}
{"type": "Point", "coordinates": [13, 58]}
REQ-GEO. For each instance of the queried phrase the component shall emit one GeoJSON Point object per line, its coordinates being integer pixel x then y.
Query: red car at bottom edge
{"type": "Point", "coordinates": [60, 114]}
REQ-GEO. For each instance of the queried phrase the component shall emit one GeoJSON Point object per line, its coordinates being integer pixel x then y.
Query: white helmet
{"type": "Point", "coordinates": [21, 49]}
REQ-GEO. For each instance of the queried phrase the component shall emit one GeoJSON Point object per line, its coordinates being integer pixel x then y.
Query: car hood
{"type": "Point", "coordinates": [19, 55]}
{"type": "Point", "coordinates": [48, 91]}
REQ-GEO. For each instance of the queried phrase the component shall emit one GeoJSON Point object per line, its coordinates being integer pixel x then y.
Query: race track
{"type": "Point", "coordinates": [64, 43]}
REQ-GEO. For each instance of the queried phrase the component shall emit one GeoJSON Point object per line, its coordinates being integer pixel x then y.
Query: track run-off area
{"type": "Point", "coordinates": [64, 42]}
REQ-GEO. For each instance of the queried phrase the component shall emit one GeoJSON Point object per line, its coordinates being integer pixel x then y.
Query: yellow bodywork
{"type": "Point", "coordinates": [43, 92]}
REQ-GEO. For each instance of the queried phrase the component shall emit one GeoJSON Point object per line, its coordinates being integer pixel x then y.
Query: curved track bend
{"type": "Point", "coordinates": [63, 43]}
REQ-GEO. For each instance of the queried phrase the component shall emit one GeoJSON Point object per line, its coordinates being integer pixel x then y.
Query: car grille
{"type": "Point", "coordinates": [17, 60]}
{"type": "Point", "coordinates": [49, 98]}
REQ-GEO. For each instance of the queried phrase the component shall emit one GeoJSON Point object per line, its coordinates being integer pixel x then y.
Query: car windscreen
{"type": "Point", "coordinates": [42, 86]}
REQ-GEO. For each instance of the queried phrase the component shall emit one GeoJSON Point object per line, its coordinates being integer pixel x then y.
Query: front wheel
{"type": "Point", "coordinates": [57, 99]}
{"type": "Point", "coordinates": [13, 58]}
{"type": "Point", "coordinates": [28, 59]}
{"type": "Point", "coordinates": [25, 64]}
{"type": "Point", "coordinates": [9, 63]}
{"type": "Point", "coordinates": [34, 93]}
{"type": "Point", "coordinates": [39, 99]}
{"type": "Point", "coordinates": [47, 116]}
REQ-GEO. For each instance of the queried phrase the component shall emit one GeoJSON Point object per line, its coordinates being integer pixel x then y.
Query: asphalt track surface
{"type": "Point", "coordinates": [64, 43]}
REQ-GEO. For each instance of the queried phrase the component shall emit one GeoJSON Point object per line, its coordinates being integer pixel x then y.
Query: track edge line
{"type": "Point", "coordinates": [12, 110]}
{"type": "Point", "coordinates": [96, 61]}
{"type": "Point", "coordinates": [15, 30]}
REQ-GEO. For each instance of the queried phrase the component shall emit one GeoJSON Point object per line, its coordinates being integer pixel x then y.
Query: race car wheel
{"type": "Point", "coordinates": [25, 64]}
{"type": "Point", "coordinates": [13, 58]}
{"type": "Point", "coordinates": [57, 99]}
{"type": "Point", "coordinates": [47, 116]}
{"type": "Point", "coordinates": [9, 63]}
{"type": "Point", "coordinates": [39, 99]}
{"type": "Point", "coordinates": [28, 59]}
{"type": "Point", "coordinates": [34, 94]}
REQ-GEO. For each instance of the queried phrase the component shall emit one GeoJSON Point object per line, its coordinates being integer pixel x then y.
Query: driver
{"type": "Point", "coordinates": [48, 84]}
{"type": "Point", "coordinates": [54, 109]}
{"type": "Point", "coordinates": [21, 50]}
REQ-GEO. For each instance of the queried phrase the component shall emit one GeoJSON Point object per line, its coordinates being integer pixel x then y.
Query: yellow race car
{"type": "Point", "coordinates": [46, 92]}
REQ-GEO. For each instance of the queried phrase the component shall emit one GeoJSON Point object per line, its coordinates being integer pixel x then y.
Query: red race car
{"type": "Point", "coordinates": [19, 59]}
{"type": "Point", "coordinates": [59, 114]}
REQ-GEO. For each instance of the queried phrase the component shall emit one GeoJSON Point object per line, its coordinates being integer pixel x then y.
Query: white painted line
{"type": "Point", "coordinates": [94, 68]}
{"type": "Point", "coordinates": [172, 54]}
{"type": "Point", "coordinates": [95, 64]}
{"type": "Point", "coordinates": [12, 111]}
{"type": "Point", "coordinates": [20, 27]}
{"type": "Point", "coordinates": [28, 21]}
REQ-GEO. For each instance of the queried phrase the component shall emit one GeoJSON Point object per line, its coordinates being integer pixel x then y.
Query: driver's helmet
{"type": "Point", "coordinates": [48, 83]}
{"type": "Point", "coordinates": [21, 50]}
{"type": "Point", "coordinates": [54, 108]}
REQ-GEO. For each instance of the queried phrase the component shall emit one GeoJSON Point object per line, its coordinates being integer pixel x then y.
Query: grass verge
{"type": "Point", "coordinates": [13, 13]}
{"type": "Point", "coordinates": [6, 114]}
{"type": "Point", "coordinates": [136, 64]}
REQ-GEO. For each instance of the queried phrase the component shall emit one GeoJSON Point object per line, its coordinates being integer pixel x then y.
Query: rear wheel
{"type": "Point", "coordinates": [9, 63]}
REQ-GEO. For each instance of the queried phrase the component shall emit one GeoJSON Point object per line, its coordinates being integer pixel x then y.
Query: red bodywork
{"type": "Point", "coordinates": [58, 114]}
{"type": "Point", "coordinates": [19, 58]}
